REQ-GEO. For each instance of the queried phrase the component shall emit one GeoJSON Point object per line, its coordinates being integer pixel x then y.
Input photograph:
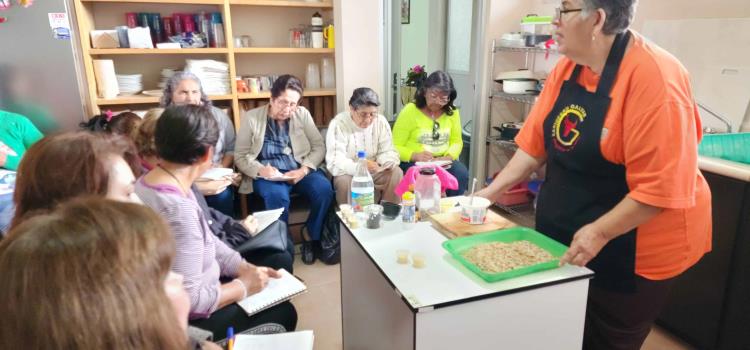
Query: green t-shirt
{"type": "Point", "coordinates": [18, 133]}
{"type": "Point", "coordinates": [413, 133]}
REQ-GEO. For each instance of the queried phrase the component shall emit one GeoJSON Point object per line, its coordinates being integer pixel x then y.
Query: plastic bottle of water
{"type": "Point", "coordinates": [363, 189]}
{"type": "Point", "coordinates": [427, 190]}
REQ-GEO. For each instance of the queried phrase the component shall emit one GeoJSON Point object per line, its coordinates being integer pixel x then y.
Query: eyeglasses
{"type": "Point", "coordinates": [442, 98]}
{"type": "Point", "coordinates": [366, 115]}
{"type": "Point", "coordinates": [285, 104]}
{"type": "Point", "coordinates": [435, 130]}
{"type": "Point", "coordinates": [559, 12]}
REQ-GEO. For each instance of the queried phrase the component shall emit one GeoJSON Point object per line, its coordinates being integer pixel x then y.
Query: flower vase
{"type": "Point", "coordinates": [407, 94]}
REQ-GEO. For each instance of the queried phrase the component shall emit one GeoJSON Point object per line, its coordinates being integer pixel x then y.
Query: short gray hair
{"type": "Point", "coordinates": [364, 97]}
{"type": "Point", "coordinates": [176, 79]}
{"type": "Point", "coordinates": [620, 13]}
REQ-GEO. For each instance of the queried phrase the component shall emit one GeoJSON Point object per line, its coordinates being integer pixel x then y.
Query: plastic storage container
{"type": "Point", "coordinates": [518, 194]}
{"type": "Point", "coordinates": [458, 245]}
{"type": "Point", "coordinates": [734, 147]}
{"type": "Point", "coordinates": [427, 192]}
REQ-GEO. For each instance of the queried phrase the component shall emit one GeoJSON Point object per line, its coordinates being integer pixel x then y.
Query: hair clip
{"type": "Point", "coordinates": [108, 113]}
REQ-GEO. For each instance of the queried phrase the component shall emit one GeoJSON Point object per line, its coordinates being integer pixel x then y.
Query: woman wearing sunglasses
{"type": "Point", "coordinates": [429, 129]}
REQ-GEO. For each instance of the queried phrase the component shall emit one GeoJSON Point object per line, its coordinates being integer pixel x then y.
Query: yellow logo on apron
{"type": "Point", "coordinates": [565, 131]}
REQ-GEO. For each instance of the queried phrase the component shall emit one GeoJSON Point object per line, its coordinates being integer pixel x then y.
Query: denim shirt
{"type": "Point", "coordinates": [272, 153]}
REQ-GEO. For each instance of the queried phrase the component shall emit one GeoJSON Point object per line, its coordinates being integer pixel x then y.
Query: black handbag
{"type": "Point", "coordinates": [330, 238]}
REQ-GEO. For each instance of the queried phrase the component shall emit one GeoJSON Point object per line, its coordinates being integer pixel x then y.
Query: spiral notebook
{"type": "Point", "coordinates": [278, 290]}
{"type": "Point", "coordinates": [302, 340]}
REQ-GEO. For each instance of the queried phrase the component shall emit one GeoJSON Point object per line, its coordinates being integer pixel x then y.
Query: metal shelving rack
{"type": "Point", "coordinates": [524, 213]}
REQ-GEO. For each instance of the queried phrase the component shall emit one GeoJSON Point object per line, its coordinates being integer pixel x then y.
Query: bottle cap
{"type": "Point", "coordinates": [361, 154]}
{"type": "Point", "coordinates": [427, 171]}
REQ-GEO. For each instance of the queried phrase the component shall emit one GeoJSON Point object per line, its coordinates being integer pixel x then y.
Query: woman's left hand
{"type": "Point", "coordinates": [586, 244]}
{"type": "Point", "coordinates": [296, 175]}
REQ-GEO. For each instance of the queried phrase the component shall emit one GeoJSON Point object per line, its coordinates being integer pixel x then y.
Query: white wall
{"type": "Point", "coordinates": [359, 47]}
{"type": "Point", "coordinates": [423, 39]}
{"type": "Point", "coordinates": [503, 16]}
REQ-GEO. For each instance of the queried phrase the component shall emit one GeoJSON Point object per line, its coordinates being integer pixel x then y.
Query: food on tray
{"type": "Point", "coordinates": [496, 257]}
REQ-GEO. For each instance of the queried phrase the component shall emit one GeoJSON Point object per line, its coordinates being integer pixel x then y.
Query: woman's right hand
{"type": "Point", "coordinates": [254, 277]}
{"type": "Point", "coordinates": [212, 187]}
{"type": "Point", "coordinates": [268, 171]}
{"type": "Point", "coordinates": [424, 156]}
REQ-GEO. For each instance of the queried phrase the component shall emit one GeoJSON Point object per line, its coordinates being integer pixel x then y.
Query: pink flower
{"type": "Point", "coordinates": [417, 69]}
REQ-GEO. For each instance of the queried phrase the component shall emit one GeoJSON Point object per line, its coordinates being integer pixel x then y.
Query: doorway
{"type": "Point", "coordinates": [442, 35]}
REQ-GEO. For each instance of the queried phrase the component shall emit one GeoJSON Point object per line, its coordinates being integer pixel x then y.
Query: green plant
{"type": "Point", "coordinates": [415, 76]}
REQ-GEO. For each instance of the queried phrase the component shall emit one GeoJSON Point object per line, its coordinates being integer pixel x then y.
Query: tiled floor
{"type": "Point", "coordinates": [320, 310]}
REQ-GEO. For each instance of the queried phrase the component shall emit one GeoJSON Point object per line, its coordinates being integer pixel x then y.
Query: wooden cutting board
{"type": "Point", "coordinates": [451, 226]}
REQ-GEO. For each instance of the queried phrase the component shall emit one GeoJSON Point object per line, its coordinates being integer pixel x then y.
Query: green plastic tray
{"type": "Point", "coordinates": [734, 147]}
{"type": "Point", "coordinates": [458, 245]}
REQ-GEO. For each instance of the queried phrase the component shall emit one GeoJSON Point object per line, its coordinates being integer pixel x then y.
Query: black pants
{"type": "Point", "coordinates": [622, 321]}
{"type": "Point", "coordinates": [280, 318]}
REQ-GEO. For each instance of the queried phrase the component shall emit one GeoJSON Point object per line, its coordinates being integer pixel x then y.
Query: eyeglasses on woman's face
{"type": "Point", "coordinates": [438, 96]}
{"type": "Point", "coordinates": [366, 115]}
{"type": "Point", "coordinates": [560, 11]}
{"type": "Point", "coordinates": [283, 103]}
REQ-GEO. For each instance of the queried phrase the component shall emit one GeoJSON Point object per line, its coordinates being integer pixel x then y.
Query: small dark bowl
{"type": "Point", "coordinates": [390, 210]}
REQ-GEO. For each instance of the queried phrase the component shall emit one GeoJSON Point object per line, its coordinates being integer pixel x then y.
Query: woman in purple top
{"type": "Point", "coordinates": [185, 137]}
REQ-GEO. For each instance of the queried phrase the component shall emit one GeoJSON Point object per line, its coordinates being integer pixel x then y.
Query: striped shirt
{"type": "Point", "coordinates": [276, 140]}
{"type": "Point", "coordinates": [200, 256]}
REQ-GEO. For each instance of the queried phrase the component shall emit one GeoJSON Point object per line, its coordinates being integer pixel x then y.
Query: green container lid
{"type": "Point", "coordinates": [734, 147]}
{"type": "Point", "coordinates": [457, 246]}
{"type": "Point", "coordinates": [534, 19]}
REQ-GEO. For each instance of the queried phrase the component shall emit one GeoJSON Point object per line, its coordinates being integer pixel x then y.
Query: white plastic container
{"type": "Point", "coordinates": [476, 213]}
{"type": "Point", "coordinates": [327, 73]}
{"type": "Point", "coordinates": [427, 191]}
{"type": "Point", "coordinates": [312, 76]}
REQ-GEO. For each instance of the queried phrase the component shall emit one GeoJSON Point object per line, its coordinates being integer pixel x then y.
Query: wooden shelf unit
{"type": "Point", "coordinates": [267, 94]}
{"type": "Point", "coordinates": [88, 10]}
{"type": "Point", "coordinates": [145, 99]}
{"type": "Point", "coordinates": [291, 50]}
{"type": "Point", "coordinates": [191, 2]}
{"type": "Point", "coordinates": [280, 3]}
{"type": "Point", "coordinates": [158, 51]}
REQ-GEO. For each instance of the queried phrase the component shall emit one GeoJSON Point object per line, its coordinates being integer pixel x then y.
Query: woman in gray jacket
{"type": "Point", "coordinates": [279, 150]}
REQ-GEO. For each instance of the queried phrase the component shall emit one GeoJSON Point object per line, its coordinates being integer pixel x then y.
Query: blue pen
{"type": "Point", "coordinates": [230, 338]}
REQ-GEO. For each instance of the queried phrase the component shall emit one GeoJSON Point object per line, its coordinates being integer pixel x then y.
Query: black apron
{"type": "Point", "coordinates": [581, 185]}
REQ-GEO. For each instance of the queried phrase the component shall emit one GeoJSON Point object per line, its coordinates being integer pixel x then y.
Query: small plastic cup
{"type": "Point", "coordinates": [446, 204]}
{"type": "Point", "coordinates": [402, 256]}
{"type": "Point", "coordinates": [346, 209]}
{"type": "Point", "coordinates": [418, 260]}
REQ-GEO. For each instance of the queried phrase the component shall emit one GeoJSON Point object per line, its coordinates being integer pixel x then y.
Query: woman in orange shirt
{"type": "Point", "coordinates": [617, 127]}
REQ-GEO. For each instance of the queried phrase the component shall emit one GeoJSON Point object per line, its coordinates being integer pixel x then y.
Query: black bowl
{"type": "Point", "coordinates": [390, 210]}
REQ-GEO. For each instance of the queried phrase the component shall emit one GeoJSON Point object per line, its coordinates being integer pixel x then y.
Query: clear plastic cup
{"type": "Point", "coordinates": [402, 256]}
{"type": "Point", "coordinates": [418, 260]}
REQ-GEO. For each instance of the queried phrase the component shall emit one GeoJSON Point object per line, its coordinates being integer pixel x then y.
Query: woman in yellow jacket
{"type": "Point", "coordinates": [429, 129]}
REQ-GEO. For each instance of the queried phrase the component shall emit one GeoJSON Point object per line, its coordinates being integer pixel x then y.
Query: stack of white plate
{"type": "Point", "coordinates": [214, 75]}
{"type": "Point", "coordinates": [166, 73]}
{"type": "Point", "coordinates": [130, 84]}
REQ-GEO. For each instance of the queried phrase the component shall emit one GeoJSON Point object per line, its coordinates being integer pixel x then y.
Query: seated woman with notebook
{"type": "Point", "coordinates": [271, 246]}
{"type": "Point", "coordinates": [92, 274]}
{"type": "Point", "coordinates": [185, 137]}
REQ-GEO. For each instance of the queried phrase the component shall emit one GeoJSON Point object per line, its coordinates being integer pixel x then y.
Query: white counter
{"type": "Point", "coordinates": [444, 306]}
{"type": "Point", "coordinates": [727, 168]}
{"type": "Point", "coordinates": [443, 280]}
